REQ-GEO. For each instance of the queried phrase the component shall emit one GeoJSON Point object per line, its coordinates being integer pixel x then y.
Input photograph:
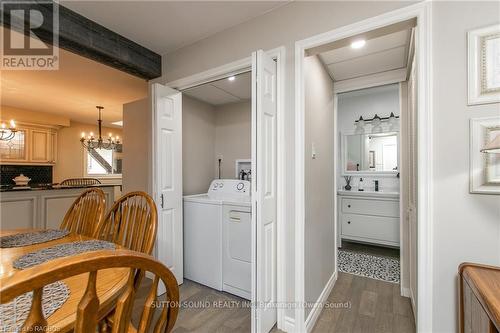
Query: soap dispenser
{"type": "Point", "coordinates": [360, 185]}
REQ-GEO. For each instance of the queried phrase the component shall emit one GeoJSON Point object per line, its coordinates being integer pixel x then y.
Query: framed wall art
{"type": "Point", "coordinates": [484, 65]}
{"type": "Point", "coordinates": [484, 167]}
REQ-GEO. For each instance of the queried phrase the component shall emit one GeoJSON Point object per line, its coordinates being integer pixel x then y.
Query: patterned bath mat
{"type": "Point", "coordinates": [14, 313]}
{"type": "Point", "coordinates": [30, 238]}
{"type": "Point", "coordinates": [368, 265]}
{"type": "Point", "coordinates": [59, 251]}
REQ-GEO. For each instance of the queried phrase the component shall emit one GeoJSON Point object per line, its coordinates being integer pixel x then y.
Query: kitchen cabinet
{"type": "Point", "coordinates": [43, 146]}
{"type": "Point", "coordinates": [44, 209]}
{"type": "Point", "coordinates": [31, 145]}
{"type": "Point", "coordinates": [16, 149]}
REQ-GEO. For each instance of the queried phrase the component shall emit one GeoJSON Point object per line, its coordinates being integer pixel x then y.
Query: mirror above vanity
{"type": "Point", "coordinates": [372, 153]}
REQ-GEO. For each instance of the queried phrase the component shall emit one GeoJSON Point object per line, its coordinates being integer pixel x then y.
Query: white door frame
{"type": "Point", "coordinates": [234, 68]}
{"type": "Point", "coordinates": [422, 11]}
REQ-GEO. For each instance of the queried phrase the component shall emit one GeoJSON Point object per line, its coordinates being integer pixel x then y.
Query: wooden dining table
{"type": "Point", "coordinates": [110, 282]}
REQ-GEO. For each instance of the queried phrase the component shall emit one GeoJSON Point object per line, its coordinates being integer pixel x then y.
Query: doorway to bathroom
{"type": "Point", "coordinates": [384, 53]}
{"type": "Point", "coordinates": [368, 194]}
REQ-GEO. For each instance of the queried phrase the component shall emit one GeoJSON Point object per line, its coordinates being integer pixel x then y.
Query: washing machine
{"type": "Point", "coordinates": [218, 235]}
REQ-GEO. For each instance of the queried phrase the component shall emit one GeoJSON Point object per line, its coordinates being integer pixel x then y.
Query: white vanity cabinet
{"type": "Point", "coordinates": [370, 217]}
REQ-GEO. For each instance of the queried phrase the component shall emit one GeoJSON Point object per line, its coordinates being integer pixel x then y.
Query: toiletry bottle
{"type": "Point", "coordinates": [360, 185]}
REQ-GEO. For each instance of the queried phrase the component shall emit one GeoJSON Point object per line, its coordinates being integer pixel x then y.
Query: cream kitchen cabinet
{"type": "Point", "coordinates": [43, 145]}
{"type": "Point", "coordinates": [32, 145]}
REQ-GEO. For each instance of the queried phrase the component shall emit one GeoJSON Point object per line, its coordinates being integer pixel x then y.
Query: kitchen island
{"type": "Point", "coordinates": [42, 207]}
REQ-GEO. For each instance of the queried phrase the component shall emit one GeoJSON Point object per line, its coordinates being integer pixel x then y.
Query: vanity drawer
{"type": "Point", "coordinates": [375, 228]}
{"type": "Point", "coordinates": [370, 207]}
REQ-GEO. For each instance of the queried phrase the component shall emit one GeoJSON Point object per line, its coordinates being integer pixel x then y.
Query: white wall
{"type": "Point", "coordinates": [281, 27]}
{"type": "Point", "coordinates": [137, 131]}
{"type": "Point", "coordinates": [233, 135]}
{"type": "Point", "coordinates": [198, 145]}
{"type": "Point", "coordinates": [320, 241]}
{"type": "Point", "coordinates": [466, 226]}
{"type": "Point", "coordinates": [367, 102]}
{"type": "Point", "coordinates": [209, 132]}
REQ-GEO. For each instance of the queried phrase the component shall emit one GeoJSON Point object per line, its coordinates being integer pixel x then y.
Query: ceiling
{"type": "Point", "coordinates": [223, 91]}
{"type": "Point", "coordinates": [74, 90]}
{"type": "Point", "coordinates": [169, 25]}
{"type": "Point", "coordinates": [381, 54]}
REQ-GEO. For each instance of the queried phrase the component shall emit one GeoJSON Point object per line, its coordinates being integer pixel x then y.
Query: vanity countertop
{"type": "Point", "coordinates": [369, 193]}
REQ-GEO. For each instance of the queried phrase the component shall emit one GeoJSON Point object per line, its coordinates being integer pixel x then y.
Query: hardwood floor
{"type": "Point", "coordinates": [203, 309]}
{"type": "Point", "coordinates": [373, 306]}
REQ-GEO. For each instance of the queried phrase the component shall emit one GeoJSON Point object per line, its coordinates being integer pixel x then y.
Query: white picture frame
{"type": "Point", "coordinates": [483, 65]}
{"type": "Point", "coordinates": [481, 179]}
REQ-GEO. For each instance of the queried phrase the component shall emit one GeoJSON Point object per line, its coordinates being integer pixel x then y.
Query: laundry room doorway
{"type": "Point", "coordinates": [236, 188]}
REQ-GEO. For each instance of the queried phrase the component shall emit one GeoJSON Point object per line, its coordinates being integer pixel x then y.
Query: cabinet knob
{"type": "Point", "coordinates": [348, 222]}
{"type": "Point", "coordinates": [348, 206]}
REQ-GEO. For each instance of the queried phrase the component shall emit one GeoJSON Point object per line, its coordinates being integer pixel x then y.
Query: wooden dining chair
{"type": "Point", "coordinates": [80, 182]}
{"type": "Point", "coordinates": [131, 223]}
{"type": "Point", "coordinates": [88, 309]}
{"type": "Point", "coordinates": [85, 213]}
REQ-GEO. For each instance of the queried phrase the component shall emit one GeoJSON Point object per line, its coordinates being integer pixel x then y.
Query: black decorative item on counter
{"type": "Point", "coordinates": [39, 174]}
{"type": "Point", "coordinates": [348, 179]}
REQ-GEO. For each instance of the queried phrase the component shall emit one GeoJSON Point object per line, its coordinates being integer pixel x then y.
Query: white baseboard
{"type": "Point", "coordinates": [405, 292]}
{"type": "Point", "coordinates": [413, 305]}
{"type": "Point", "coordinates": [316, 310]}
{"type": "Point", "coordinates": [288, 324]}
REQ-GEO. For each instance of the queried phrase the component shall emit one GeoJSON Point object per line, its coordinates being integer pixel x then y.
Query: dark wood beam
{"type": "Point", "coordinates": [89, 39]}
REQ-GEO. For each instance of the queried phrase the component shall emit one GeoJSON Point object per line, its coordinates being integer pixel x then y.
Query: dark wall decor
{"type": "Point", "coordinates": [89, 39]}
{"type": "Point", "coordinates": [39, 174]}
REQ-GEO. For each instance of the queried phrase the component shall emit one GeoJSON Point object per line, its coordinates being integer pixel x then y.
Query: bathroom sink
{"type": "Point", "coordinates": [369, 193]}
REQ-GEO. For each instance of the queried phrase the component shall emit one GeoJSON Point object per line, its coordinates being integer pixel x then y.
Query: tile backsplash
{"type": "Point", "coordinates": [38, 174]}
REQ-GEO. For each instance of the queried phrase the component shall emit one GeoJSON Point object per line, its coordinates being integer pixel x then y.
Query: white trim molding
{"type": "Point", "coordinates": [318, 306]}
{"type": "Point", "coordinates": [243, 65]}
{"type": "Point", "coordinates": [368, 81]}
{"type": "Point", "coordinates": [232, 68]}
{"type": "Point", "coordinates": [422, 11]}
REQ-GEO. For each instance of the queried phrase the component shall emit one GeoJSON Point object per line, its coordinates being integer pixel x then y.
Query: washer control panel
{"type": "Point", "coordinates": [229, 187]}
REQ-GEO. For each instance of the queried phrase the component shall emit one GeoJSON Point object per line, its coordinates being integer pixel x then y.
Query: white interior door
{"type": "Point", "coordinates": [264, 146]}
{"type": "Point", "coordinates": [167, 176]}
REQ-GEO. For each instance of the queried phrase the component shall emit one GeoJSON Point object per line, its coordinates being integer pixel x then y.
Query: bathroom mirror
{"type": "Point", "coordinates": [370, 153]}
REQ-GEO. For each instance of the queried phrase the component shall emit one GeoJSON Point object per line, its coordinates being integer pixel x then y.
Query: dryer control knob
{"type": "Point", "coordinates": [240, 186]}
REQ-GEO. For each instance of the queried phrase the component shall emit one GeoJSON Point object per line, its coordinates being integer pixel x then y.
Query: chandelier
{"type": "Point", "coordinates": [7, 134]}
{"type": "Point", "coordinates": [89, 142]}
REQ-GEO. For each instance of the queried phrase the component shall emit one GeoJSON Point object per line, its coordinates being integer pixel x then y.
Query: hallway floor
{"type": "Point", "coordinates": [374, 306]}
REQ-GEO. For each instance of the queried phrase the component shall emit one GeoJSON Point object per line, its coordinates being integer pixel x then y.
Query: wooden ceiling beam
{"type": "Point", "coordinates": [89, 39]}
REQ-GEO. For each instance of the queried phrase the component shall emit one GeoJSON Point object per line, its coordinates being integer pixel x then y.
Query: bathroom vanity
{"type": "Point", "coordinates": [369, 217]}
{"type": "Point", "coordinates": [371, 160]}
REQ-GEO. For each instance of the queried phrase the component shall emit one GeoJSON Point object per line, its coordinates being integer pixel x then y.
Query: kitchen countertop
{"type": "Point", "coordinates": [47, 187]}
